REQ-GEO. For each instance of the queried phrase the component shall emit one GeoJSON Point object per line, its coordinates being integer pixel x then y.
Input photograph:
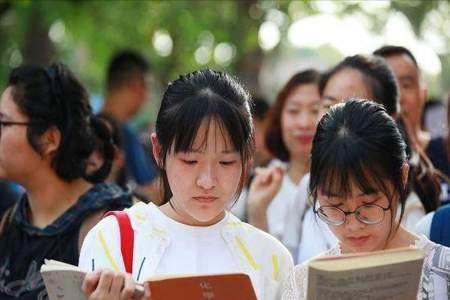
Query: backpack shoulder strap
{"type": "Point", "coordinates": [126, 238]}
{"type": "Point", "coordinates": [440, 226]}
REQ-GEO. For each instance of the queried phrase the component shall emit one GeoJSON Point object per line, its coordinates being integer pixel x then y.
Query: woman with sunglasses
{"type": "Point", "coordinates": [358, 181]}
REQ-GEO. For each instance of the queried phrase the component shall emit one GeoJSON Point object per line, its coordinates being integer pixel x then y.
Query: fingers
{"type": "Point", "coordinates": [265, 176]}
{"type": "Point", "coordinates": [105, 281]}
{"type": "Point", "coordinates": [128, 291]}
{"type": "Point", "coordinates": [108, 287]}
{"type": "Point", "coordinates": [90, 283]}
{"type": "Point", "coordinates": [147, 293]}
{"type": "Point", "coordinates": [117, 284]}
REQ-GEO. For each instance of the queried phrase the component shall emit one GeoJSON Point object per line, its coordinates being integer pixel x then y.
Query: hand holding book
{"type": "Point", "coordinates": [64, 281]}
{"type": "Point", "coordinates": [107, 285]}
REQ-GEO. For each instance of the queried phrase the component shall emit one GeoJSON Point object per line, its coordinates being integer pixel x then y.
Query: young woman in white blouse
{"type": "Point", "coordinates": [358, 183]}
{"type": "Point", "coordinates": [292, 123]}
{"type": "Point", "coordinates": [203, 145]}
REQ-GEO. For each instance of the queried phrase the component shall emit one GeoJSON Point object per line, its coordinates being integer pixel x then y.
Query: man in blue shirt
{"type": "Point", "coordinates": [126, 92]}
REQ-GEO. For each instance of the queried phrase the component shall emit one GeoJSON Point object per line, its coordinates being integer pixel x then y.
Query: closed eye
{"type": "Point", "coordinates": [189, 162]}
{"type": "Point", "coordinates": [228, 163]}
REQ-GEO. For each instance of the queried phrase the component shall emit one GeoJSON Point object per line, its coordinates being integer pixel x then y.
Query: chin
{"type": "Point", "coordinates": [210, 218]}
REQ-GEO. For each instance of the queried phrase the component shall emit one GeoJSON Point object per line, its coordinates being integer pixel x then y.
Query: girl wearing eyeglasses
{"type": "Point", "coordinates": [358, 181]}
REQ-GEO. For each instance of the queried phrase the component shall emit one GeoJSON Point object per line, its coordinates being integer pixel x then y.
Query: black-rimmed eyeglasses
{"type": "Point", "coordinates": [369, 214]}
{"type": "Point", "coordinates": [11, 123]}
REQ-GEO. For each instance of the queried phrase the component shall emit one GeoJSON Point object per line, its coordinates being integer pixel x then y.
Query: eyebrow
{"type": "Point", "coordinates": [336, 195]}
{"type": "Point", "coordinates": [368, 193]}
{"type": "Point", "coordinates": [406, 77]}
{"type": "Point", "coordinates": [200, 151]}
{"type": "Point", "coordinates": [326, 97]}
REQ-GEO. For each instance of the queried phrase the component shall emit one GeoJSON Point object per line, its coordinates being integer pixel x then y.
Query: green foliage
{"type": "Point", "coordinates": [94, 29]}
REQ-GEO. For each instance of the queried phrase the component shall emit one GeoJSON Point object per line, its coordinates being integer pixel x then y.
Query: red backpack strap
{"type": "Point", "coordinates": [126, 238]}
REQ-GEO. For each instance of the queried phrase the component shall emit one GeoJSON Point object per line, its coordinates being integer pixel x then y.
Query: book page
{"type": "Point", "coordinates": [64, 284]}
{"type": "Point", "coordinates": [398, 281]}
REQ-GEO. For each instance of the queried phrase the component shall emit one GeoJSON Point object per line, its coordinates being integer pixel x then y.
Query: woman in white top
{"type": "Point", "coordinates": [355, 76]}
{"type": "Point", "coordinates": [358, 181]}
{"type": "Point", "coordinates": [291, 126]}
{"type": "Point", "coordinates": [203, 146]}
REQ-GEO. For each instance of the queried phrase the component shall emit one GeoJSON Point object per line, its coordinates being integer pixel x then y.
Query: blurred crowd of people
{"type": "Point", "coordinates": [64, 166]}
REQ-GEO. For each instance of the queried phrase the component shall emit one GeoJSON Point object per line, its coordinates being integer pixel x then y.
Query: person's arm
{"type": "Point", "coordinates": [264, 187]}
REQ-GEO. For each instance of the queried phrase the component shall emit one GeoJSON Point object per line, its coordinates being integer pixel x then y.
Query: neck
{"type": "Point", "coordinates": [298, 167]}
{"type": "Point", "coordinates": [423, 137]}
{"type": "Point", "coordinates": [402, 238]}
{"type": "Point", "coordinates": [114, 105]}
{"type": "Point", "coordinates": [178, 215]}
{"type": "Point", "coordinates": [51, 197]}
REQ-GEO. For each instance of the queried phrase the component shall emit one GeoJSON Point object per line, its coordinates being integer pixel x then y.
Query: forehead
{"type": "Point", "coordinates": [212, 136]}
{"type": "Point", "coordinates": [304, 94]}
{"type": "Point", "coordinates": [8, 108]}
{"type": "Point", "coordinates": [403, 66]}
{"type": "Point", "coordinates": [345, 84]}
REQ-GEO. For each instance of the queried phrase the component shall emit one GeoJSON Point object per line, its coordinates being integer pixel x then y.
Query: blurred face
{"type": "Point", "coordinates": [412, 93]}
{"type": "Point", "coordinates": [18, 160]}
{"type": "Point", "coordinates": [355, 235]}
{"type": "Point", "coordinates": [343, 85]}
{"type": "Point", "coordinates": [205, 179]}
{"type": "Point", "coordinates": [261, 152]}
{"type": "Point", "coordinates": [299, 118]}
{"type": "Point", "coordinates": [139, 94]}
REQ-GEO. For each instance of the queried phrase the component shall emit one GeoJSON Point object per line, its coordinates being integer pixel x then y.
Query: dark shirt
{"type": "Point", "coordinates": [24, 247]}
{"type": "Point", "coordinates": [437, 152]}
{"type": "Point", "coordinates": [138, 162]}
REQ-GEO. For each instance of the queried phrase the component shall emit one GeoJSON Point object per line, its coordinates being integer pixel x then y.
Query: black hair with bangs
{"type": "Point", "coordinates": [357, 142]}
{"type": "Point", "coordinates": [209, 96]}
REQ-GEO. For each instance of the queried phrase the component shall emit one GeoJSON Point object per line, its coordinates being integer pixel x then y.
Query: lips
{"type": "Point", "coordinates": [305, 139]}
{"type": "Point", "coordinates": [205, 199]}
{"type": "Point", "coordinates": [359, 240]}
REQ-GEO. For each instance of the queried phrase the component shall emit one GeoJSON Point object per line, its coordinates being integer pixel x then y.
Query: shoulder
{"type": "Point", "coordinates": [140, 215]}
{"type": "Point", "coordinates": [437, 256]}
{"type": "Point", "coordinates": [254, 235]}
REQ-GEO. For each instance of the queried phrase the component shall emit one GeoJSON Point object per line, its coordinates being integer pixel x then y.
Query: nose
{"type": "Point", "coordinates": [352, 223]}
{"type": "Point", "coordinates": [305, 120]}
{"type": "Point", "coordinates": [207, 178]}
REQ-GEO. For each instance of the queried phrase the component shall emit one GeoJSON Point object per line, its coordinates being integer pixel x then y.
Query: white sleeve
{"type": "Point", "coordinates": [423, 227]}
{"type": "Point", "coordinates": [101, 247]}
{"type": "Point", "coordinates": [316, 237]}
{"type": "Point", "coordinates": [294, 218]}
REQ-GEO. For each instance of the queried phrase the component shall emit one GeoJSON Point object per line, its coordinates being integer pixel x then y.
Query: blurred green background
{"type": "Point", "coordinates": [261, 42]}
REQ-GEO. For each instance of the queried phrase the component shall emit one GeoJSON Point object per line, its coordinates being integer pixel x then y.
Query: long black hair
{"type": "Point", "coordinates": [54, 97]}
{"type": "Point", "coordinates": [193, 98]}
{"type": "Point", "coordinates": [359, 143]}
{"type": "Point", "coordinates": [380, 80]}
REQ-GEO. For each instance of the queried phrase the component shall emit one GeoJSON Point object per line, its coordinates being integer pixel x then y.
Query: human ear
{"type": "Point", "coordinates": [50, 141]}
{"type": "Point", "coordinates": [405, 173]}
{"type": "Point", "coordinates": [156, 149]}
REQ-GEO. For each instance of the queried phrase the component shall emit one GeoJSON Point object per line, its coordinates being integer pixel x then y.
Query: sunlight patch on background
{"type": "Point", "coordinates": [162, 42]}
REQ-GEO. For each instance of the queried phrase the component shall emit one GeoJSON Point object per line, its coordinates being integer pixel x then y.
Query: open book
{"type": "Point", "coordinates": [63, 281]}
{"type": "Point", "coordinates": [390, 274]}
